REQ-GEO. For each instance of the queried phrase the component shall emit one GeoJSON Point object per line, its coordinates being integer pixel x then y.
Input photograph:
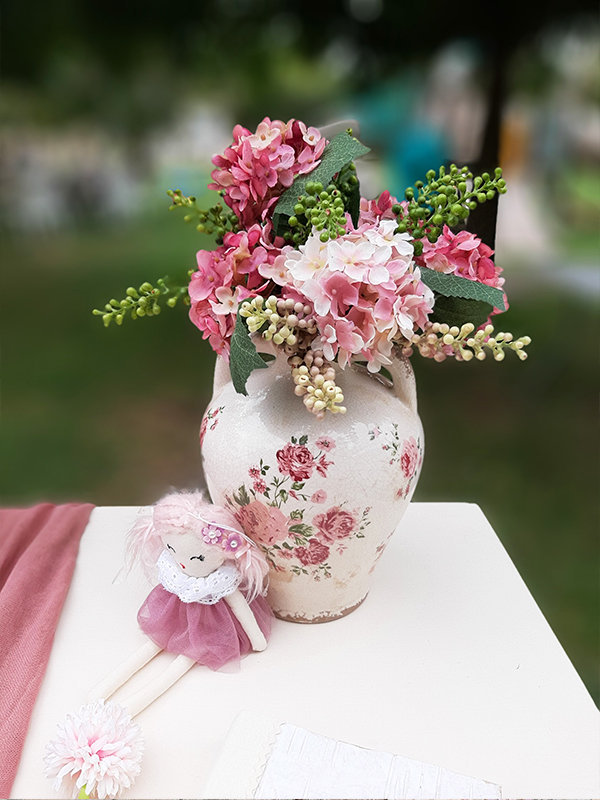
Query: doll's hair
{"type": "Point", "coordinates": [191, 512]}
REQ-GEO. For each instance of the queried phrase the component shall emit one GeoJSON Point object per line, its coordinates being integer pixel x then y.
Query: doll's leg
{"type": "Point", "coordinates": [142, 698]}
{"type": "Point", "coordinates": [109, 685]}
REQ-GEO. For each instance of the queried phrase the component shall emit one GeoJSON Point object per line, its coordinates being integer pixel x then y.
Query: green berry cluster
{"type": "Point", "coordinates": [143, 302]}
{"type": "Point", "coordinates": [217, 220]}
{"type": "Point", "coordinates": [447, 198]}
{"type": "Point", "coordinates": [347, 182]}
{"type": "Point", "coordinates": [320, 208]}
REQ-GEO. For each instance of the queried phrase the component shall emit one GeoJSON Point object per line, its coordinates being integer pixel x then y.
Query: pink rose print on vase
{"type": "Point", "coordinates": [297, 461]}
{"type": "Point", "coordinates": [322, 466]}
{"type": "Point", "coordinates": [335, 524]}
{"type": "Point", "coordinates": [409, 457]}
{"type": "Point", "coordinates": [319, 496]}
{"type": "Point", "coordinates": [263, 524]}
{"type": "Point", "coordinates": [203, 427]}
{"type": "Point", "coordinates": [212, 417]}
{"type": "Point", "coordinates": [315, 553]}
{"type": "Point", "coordinates": [325, 443]}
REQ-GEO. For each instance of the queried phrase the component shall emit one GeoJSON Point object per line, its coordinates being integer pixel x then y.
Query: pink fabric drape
{"type": "Point", "coordinates": [38, 550]}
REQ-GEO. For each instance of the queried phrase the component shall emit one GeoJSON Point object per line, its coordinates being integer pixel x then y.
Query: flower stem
{"type": "Point", "coordinates": [82, 794]}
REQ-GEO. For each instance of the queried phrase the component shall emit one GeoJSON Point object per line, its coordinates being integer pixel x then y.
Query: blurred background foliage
{"type": "Point", "coordinates": [106, 105]}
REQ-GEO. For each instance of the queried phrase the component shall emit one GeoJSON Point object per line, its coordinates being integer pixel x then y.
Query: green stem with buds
{"type": "Point", "coordinates": [144, 301]}
{"type": "Point", "coordinates": [445, 199]}
{"type": "Point", "coordinates": [217, 220]}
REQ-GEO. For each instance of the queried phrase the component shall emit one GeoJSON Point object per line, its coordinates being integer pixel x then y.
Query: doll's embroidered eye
{"type": "Point", "coordinates": [200, 558]}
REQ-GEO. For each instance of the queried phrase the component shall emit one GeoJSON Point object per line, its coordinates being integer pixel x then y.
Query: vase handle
{"type": "Point", "coordinates": [222, 375]}
{"type": "Point", "coordinates": [405, 387]}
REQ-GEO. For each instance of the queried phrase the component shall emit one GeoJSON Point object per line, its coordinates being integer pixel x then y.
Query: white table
{"type": "Point", "coordinates": [448, 661]}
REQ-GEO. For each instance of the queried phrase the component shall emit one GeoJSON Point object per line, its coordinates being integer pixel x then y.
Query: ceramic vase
{"type": "Point", "coordinates": [321, 497]}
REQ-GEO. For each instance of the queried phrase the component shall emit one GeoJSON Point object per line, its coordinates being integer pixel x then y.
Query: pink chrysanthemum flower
{"type": "Point", "coordinates": [99, 748]}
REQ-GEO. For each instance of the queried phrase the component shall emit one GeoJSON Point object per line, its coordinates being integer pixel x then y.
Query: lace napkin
{"type": "Point", "coordinates": [265, 759]}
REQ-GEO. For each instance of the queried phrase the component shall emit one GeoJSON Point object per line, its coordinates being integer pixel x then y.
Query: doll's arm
{"type": "Point", "coordinates": [239, 605]}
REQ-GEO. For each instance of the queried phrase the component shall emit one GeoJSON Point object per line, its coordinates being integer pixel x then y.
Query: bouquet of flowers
{"type": "Point", "coordinates": [331, 278]}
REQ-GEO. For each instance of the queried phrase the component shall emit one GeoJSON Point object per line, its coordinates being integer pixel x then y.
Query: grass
{"type": "Point", "coordinates": [112, 416]}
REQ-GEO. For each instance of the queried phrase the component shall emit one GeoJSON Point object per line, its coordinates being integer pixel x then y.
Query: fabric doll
{"type": "Point", "coordinates": [208, 607]}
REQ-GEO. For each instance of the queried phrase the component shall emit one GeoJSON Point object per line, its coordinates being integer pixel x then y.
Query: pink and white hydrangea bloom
{"type": "Point", "coordinates": [276, 270]}
{"type": "Point", "coordinates": [309, 259]}
{"type": "Point", "coordinates": [365, 290]}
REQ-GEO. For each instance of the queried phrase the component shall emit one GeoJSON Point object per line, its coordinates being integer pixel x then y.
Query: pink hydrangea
{"type": "Point", "coordinates": [224, 278]}
{"type": "Point", "coordinates": [371, 211]}
{"type": "Point", "coordinates": [257, 167]}
{"type": "Point", "coordinates": [463, 254]}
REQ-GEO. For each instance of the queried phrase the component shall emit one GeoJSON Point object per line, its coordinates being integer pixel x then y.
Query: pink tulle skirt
{"type": "Point", "coordinates": [210, 634]}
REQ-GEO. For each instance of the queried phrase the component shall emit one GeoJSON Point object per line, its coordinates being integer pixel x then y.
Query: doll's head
{"type": "Point", "coordinates": [200, 537]}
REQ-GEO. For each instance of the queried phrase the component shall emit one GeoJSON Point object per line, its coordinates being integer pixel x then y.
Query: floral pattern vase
{"type": "Point", "coordinates": [321, 497]}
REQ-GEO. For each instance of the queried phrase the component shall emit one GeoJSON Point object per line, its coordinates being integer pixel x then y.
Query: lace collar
{"type": "Point", "coordinates": [208, 591]}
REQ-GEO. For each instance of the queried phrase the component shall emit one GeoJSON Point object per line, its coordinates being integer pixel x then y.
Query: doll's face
{"type": "Point", "coordinates": [194, 556]}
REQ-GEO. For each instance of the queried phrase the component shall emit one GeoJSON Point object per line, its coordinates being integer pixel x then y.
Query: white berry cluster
{"type": "Point", "coordinates": [314, 377]}
{"type": "Point", "coordinates": [440, 341]}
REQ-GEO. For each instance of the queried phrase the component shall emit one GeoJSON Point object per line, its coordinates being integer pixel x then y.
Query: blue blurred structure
{"type": "Point", "coordinates": [407, 142]}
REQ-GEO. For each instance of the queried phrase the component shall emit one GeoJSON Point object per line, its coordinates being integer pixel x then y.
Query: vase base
{"type": "Point", "coordinates": [322, 618]}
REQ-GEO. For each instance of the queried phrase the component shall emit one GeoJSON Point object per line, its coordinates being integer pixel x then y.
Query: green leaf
{"type": "Point", "coordinates": [297, 486]}
{"type": "Point", "coordinates": [303, 440]}
{"type": "Point", "coordinates": [302, 528]}
{"type": "Point", "coordinates": [452, 286]}
{"type": "Point", "coordinates": [457, 311]}
{"type": "Point", "coordinates": [353, 204]}
{"type": "Point", "coordinates": [242, 498]}
{"type": "Point", "coordinates": [341, 150]}
{"type": "Point", "coordinates": [243, 358]}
